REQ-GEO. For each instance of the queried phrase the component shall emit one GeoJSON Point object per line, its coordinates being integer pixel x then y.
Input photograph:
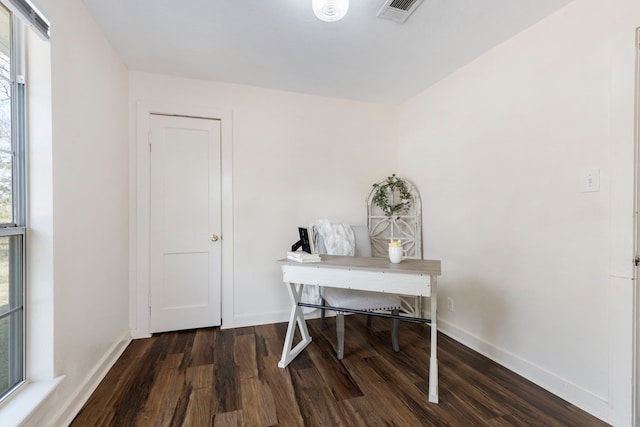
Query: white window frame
{"type": "Point", "coordinates": [17, 227]}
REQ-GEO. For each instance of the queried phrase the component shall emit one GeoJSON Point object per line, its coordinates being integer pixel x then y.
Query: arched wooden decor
{"type": "Point", "coordinates": [405, 226]}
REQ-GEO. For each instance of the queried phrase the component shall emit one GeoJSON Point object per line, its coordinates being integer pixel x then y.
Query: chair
{"type": "Point", "coordinates": [359, 300]}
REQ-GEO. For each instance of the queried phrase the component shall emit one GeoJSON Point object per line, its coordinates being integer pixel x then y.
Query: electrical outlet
{"type": "Point", "coordinates": [450, 304]}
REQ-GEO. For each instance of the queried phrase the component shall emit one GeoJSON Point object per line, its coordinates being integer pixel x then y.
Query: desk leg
{"type": "Point", "coordinates": [288, 353]}
{"type": "Point", "coordinates": [433, 359]}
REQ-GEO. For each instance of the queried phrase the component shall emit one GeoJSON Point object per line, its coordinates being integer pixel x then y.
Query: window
{"type": "Point", "coordinates": [12, 204]}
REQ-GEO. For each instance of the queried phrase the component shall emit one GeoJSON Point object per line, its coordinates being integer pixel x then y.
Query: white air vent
{"type": "Point", "coordinates": [398, 10]}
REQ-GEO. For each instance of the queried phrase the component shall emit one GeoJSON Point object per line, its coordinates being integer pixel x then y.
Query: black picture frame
{"type": "Point", "coordinates": [304, 242]}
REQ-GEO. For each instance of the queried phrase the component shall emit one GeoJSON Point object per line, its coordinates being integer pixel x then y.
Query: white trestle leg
{"type": "Point", "coordinates": [288, 353]}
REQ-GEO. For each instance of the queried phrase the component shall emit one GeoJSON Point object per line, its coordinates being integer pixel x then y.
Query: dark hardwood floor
{"type": "Point", "coordinates": [213, 377]}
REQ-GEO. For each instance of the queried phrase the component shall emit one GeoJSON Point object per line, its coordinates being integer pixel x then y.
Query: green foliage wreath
{"type": "Point", "coordinates": [386, 190]}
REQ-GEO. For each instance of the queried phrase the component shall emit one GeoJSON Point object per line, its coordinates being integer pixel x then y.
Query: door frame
{"type": "Point", "coordinates": [139, 233]}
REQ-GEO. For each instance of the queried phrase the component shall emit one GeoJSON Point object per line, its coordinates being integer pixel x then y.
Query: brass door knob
{"type": "Point", "coordinates": [214, 237]}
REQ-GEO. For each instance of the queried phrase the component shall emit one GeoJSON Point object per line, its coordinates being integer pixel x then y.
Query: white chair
{"type": "Point", "coordinates": [359, 300]}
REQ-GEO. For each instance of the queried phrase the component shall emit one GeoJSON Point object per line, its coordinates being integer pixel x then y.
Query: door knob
{"type": "Point", "coordinates": [214, 237]}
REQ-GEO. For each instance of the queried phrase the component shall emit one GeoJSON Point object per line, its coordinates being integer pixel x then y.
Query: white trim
{"type": "Point", "coordinates": [74, 404]}
{"type": "Point", "coordinates": [139, 246]}
{"type": "Point", "coordinates": [30, 15]}
{"type": "Point", "coordinates": [271, 317]}
{"type": "Point", "coordinates": [23, 403]}
{"type": "Point", "coordinates": [36, 402]}
{"type": "Point", "coordinates": [268, 318]}
{"type": "Point", "coordinates": [584, 399]}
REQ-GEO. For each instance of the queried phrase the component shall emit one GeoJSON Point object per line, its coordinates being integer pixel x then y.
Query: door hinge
{"type": "Point", "coordinates": [636, 261]}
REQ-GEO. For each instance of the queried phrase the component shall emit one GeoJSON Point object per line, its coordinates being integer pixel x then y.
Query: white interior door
{"type": "Point", "coordinates": [185, 223]}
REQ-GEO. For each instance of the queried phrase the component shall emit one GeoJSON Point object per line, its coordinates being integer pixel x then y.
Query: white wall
{"type": "Point", "coordinates": [540, 271]}
{"type": "Point", "coordinates": [84, 214]}
{"type": "Point", "coordinates": [296, 158]}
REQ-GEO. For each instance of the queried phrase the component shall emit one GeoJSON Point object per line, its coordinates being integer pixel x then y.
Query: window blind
{"type": "Point", "coordinates": [30, 15]}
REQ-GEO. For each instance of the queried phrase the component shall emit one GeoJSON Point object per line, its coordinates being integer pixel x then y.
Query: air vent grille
{"type": "Point", "coordinates": [398, 10]}
{"type": "Point", "coordinates": [402, 4]}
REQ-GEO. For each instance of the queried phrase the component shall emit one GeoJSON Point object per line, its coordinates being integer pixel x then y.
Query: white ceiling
{"type": "Point", "coordinates": [280, 44]}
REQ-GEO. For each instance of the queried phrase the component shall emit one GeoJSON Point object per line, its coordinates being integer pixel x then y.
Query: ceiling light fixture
{"type": "Point", "coordinates": [330, 10]}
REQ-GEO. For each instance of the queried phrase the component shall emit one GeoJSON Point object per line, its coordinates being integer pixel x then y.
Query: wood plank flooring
{"type": "Point", "coordinates": [213, 377]}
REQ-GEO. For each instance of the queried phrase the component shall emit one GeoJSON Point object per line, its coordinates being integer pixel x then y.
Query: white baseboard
{"type": "Point", "coordinates": [137, 334]}
{"type": "Point", "coordinates": [266, 319]}
{"type": "Point", "coordinates": [256, 319]}
{"type": "Point", "coordinates": [77, 399]}
{"type": "Point", "coordinates": [597, 406]}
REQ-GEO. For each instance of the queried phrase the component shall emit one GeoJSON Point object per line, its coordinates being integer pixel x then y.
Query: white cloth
{"type": "Point", "coordinates": [330, 238]}
{"type": "Point", "coordinates": [338, 238]}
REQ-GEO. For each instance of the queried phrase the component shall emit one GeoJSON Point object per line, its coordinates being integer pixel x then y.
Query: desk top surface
{"type": "Point", "coordinates": [380, 264]}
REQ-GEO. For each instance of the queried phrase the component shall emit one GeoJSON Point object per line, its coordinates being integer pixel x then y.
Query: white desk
{"type": "Point", "coordinates": [410, 277]}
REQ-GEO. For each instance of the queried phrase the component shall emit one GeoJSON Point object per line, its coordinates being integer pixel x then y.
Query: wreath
{"type": "Point", "coordinates": [389, 187]}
